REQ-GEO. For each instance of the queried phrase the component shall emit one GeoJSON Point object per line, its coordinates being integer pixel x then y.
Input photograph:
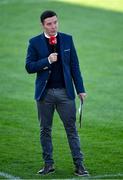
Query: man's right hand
{"type": "Point", "coordinates": [52, 57]}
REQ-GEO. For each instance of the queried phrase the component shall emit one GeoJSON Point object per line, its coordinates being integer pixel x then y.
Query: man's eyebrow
{"type": "Point", "coordinates": [49, 23]}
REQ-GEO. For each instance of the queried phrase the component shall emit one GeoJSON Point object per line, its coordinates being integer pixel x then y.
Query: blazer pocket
{"type": "Point", "coordinates": [66, 50]}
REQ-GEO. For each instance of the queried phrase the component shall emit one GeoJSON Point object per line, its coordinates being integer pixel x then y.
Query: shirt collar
{"type": "Point", "coordinates": [47, 36]}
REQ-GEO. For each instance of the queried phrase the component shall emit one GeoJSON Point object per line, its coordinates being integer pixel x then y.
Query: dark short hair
{"type": "Point", "coordinates": [47, 14]}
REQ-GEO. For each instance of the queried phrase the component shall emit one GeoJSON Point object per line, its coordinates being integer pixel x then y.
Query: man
{"type": "Point", "coordinates": [57, 68]}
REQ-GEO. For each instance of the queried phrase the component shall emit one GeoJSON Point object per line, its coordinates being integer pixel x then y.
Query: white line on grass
{"type": "Point", "coordinates": [107, 176]}
{"type": "Point", "coordinates": [8, 176]}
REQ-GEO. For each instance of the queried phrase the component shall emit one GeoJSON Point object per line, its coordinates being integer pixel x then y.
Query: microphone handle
{"type": "Point", "coordinates": [54, 48]}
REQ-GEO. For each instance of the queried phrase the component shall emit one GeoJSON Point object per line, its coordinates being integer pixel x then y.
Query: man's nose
{"type": "Point", "coordinates": [53, 26]}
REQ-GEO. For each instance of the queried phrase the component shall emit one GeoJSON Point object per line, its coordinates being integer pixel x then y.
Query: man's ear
{"type": "Point", "coordinates": [41, 24]}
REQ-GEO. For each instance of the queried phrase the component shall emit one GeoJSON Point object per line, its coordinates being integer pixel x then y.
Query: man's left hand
{"type": "Point", "coordinates": [82, 95]}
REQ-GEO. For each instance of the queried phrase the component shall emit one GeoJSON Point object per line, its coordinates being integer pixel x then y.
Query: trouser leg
{"type": "Point", "coordinates": [67, 111]}
{"type": "Point", "coordinates": [45, 114]}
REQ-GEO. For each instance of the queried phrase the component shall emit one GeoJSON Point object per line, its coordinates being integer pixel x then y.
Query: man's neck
{"type": "Point", "coordinates": [47, 36]}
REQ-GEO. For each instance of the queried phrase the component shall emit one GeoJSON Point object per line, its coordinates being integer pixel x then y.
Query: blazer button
{"type": "Point", "coordinates": [49, 71]}
{"type": "Point", "coordinates": [46, 81]}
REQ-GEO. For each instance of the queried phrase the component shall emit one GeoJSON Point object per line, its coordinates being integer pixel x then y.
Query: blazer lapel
{"type": "Point", "coordinates": [61, 46]}
{"type": "Point", "coordinates": [44, 45]}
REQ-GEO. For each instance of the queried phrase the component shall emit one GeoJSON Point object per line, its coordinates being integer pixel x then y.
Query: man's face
{"type": "Point", "coordinates": [50, 25]}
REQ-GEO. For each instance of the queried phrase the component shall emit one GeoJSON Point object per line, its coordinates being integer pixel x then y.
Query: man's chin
{"type": "Point", "coordinates": [53, 34]}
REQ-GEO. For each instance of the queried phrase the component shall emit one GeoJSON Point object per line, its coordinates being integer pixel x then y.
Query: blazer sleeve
{"type": "Point", "coordinates": [75, 70]}
{"type": "Point", "coordinates": [33, 64]}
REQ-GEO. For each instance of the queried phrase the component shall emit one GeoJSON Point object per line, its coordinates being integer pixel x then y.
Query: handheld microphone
{"type": "Point", "coordinates": [53, 42]}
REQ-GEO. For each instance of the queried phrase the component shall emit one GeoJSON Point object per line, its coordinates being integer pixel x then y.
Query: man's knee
{"type": "Point", "coordinates": [46, 131]}
{"type": "Point", "coordinates": [71, 130]}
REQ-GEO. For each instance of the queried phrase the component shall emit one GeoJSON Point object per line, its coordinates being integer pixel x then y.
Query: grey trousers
{"type": "Point", "coordinates": [57, 99]}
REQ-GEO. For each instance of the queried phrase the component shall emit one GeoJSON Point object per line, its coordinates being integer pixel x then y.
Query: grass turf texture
{"type": "Point", "coordinates": [98, 38]}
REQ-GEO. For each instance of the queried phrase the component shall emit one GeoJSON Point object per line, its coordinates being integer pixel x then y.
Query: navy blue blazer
{"type": "Point", "coordinates": [37, 62]}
